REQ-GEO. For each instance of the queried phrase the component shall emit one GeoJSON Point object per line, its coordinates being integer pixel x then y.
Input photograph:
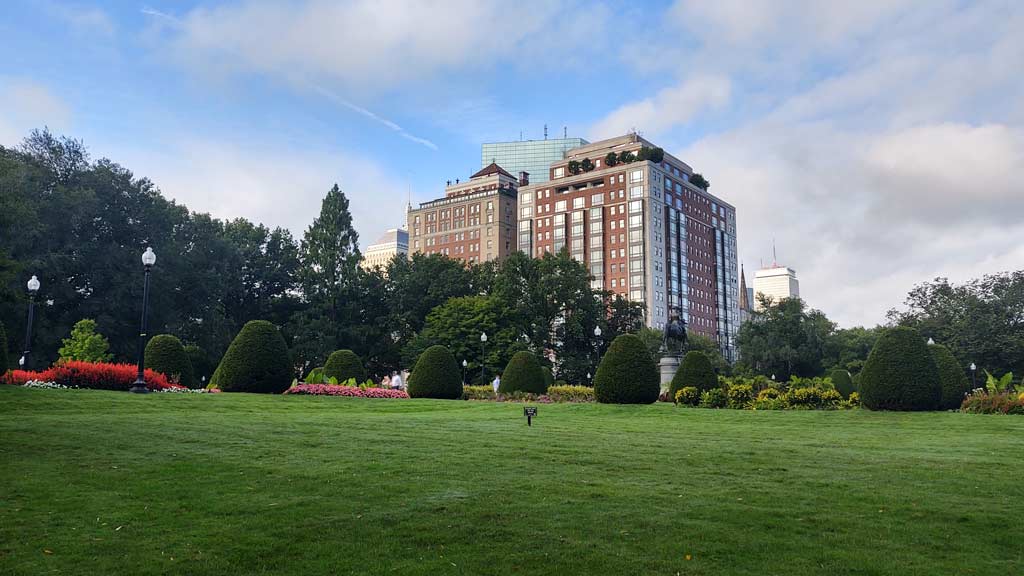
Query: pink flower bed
{"type": "Point", "coordinates": [353, 391]}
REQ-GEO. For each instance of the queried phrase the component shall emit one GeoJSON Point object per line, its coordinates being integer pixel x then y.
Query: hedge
{"type": "Point", "coordinates": [523, 374]}
{"type": "Point", "coordinates": [165, 354]}
{"type": "Point", "coordinates": [695, 370]}
{"type": "Point", "coordinates": [256, 361]}
{"type": "Point", "coordinates": [436, 375]}
{"type": "Point", "coordinates": [627, 373]}
{"type": "Point", "coordinates": [549, 378]}
{"type": "Point", "coordinates": [202, 365]}
{"type": "Point", "coordinates": [344, 364]}
{"type": "Point", "coordinates": [900, 373]}
{"type": "Point", "coordinates": [952, 378]}
{"type": "Point", "coordinates": [842, 382]}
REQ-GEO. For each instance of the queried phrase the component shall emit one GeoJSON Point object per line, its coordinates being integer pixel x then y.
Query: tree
{"type": "Point", "coordinates": [785, 339]}
{"type": "Point", "coordinates": [523, 374]}
{"type": "Point", "coordinates": [900, 373]}
{"type": "Point", "coordinates": [256, 361]}
{"type": "Point", "coordinates": [436, 375]}
{"type": "Point", "coordinates": [695, 371]}
{"type": "Point", "coordinates": [981, 321]}
{"type": "Point", "coordinates": [5, 363]}
{"type": "Point", "coordinates": [699, 181]}
{"type": "Point", "coordinates": [85, 344]}
{"type": "Point", "coordinates": [345, 365]}
{"type": "Point", "coordinates": [166, 355]}
{"type": "Point", "coordinates": [848, 348]}
{"type": "Point", "coordinates": [627, 374]}
{"type": "Point", "coordinates": [573, 166]}
{"type": "Point", "coordinates": [587, 165]}
{"type": "Point", "coordinates": [626, 157]}
{"type": "Point", "coordinates": [611, 159]}
{"type": "Point", "coordinates": [951, 376]}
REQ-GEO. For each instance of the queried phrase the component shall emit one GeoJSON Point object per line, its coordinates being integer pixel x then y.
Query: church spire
{"type": "Point", "coordinates": [744, 302]}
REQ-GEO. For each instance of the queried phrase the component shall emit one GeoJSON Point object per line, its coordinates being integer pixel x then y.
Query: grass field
{"type": "Point", "coordinates": [111, 483]}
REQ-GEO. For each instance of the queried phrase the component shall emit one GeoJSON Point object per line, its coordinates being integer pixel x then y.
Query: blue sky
{"type": "Point", "coordinates": [874, 142]}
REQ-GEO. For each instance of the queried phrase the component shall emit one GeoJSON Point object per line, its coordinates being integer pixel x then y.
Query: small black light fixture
{"type": "Point", "coordinates": [33, 287]}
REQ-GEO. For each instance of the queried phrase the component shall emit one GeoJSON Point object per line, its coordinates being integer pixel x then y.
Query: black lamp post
{"type": "Point", "coordinates": [33, 287]}
{"type": "Point", "coordinates": [148, 259]}
{"type": "Point", "coordinates": [464, 364]}
{"type": "Point", "coordinates": [597, 347]}
{"type": "Point", "coordinates": [974, 383]}
{"type": "Point", "coordinates": [483, 353]}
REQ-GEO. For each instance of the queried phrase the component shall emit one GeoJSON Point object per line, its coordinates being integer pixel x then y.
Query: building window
{"type": "Point", "coordinates": [559, 172]}
{"type": "Point", "coordinates": [636, 176]}
{"type": "Point", "coordinates": [578, 203]}
{"type": "Point", "coordinates": [560, 206]}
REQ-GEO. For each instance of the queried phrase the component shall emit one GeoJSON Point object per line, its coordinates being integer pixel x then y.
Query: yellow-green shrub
{"type": "Point", "coordinates": [688, 396]}
{"type": "Point", "coordinates": [568, 393]}
{"type": "Point", "coordinates": [740, 396]}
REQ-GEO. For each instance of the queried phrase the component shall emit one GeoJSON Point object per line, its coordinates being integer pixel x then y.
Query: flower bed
{"type": "Point", "coordinates": [981, 402]}
{"type": "Point", "coordinates": [91, 375]}
{"type": "Point", "coordinates": [351, 391]}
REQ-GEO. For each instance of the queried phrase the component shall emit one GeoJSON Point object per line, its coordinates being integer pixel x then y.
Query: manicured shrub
{"type": "Point", "coordinates": [952, 377]}
{"type": "Point", "coordinates": [165, 354]}
{"type": "Point", "coordinates": [5, 362]}
{"type": "Point", "coordinates": [627, 373]}
{"type": "Point", "coordinates": [92, 375]}
{"type": "Point", "coordinates": [566, 393]}
{"type": "Point", "coordinates": [344, 364]}
{"type": "Point", "coordinates": [687, 396]}
{"type": "Point", "coordinates": [558, 383]}
{"type": "Point", "coordinates": [900, 373]}
{"type": "Point", "coordinates": [549, 378]}
{"type": "Point", "coordinates": [256, 361]}
{"type": "Point", "coordinates": [842, 382]}
{"type": "Point", "coordinates": [769, 399]}
{"type": "Point", "coordinates": [984, 403]}
{"type": "Point", "coordinates": [523, 374]}
{"type": "Point", "coordinates": [478, 393]}
{"type": "Point", "coordinates": [436, 375]}
{"type": "Point", "coordinates": [740, 396]}
{"type": "Point", "coordinates": [714, 398]}
{"type": "Point", "coordinates": [695, 370]}
{"type": "Point", "coordinates": [852, 402]}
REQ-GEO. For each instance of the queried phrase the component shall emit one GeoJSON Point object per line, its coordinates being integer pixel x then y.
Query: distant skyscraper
{"type": "Point", "coordinates": [776, 282]}
{"type": "Point", "coordinates": [392, 243]}
{"type": "Point", "coordinates": [532, 156]}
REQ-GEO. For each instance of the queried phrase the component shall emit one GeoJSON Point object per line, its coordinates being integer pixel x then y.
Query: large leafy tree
{"type": "Point", "coordinates": [848, 348]}
{"type": "Point", "coordinates": [784, 338]}
{"type": "Point", "coordinates": [980, 321]}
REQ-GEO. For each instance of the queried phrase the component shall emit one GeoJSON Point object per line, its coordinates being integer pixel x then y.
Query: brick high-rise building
{"type": "Point", "coordinates": [475, 221]}
{"type": "Point", "coordinates": [629, 212]}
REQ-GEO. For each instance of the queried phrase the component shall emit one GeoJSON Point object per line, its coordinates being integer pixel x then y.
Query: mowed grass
{"type": "Point", "coordinates": [111, 483]}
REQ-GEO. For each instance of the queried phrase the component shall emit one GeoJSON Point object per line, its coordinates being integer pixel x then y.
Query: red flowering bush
{"type": "Point", "coordinates": [980, 402]}
{"type": "Point", "coordinates": [93, 375]}
{"type": "Point", "coordinates": [353, 391]}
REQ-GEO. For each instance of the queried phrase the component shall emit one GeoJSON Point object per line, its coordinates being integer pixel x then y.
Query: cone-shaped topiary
{"type": "Point", "coordinates": [696, 371]}
{"type": "Point", "coordinates": [4, 360]}
{"type": "Point", "coordinates": [344, 364]}
{"type": "Point", "coordinates": [523, 374]}
{"type": "Point", "coordinates": [627, 374]}
{"type": "Point", "coordinates": [842, 381]}
{"type": "Point", "coordinates": [900, 373]}
{"type": "Point", "coordinates": [549, 378]}
{"type": "Point", "coordinates": [166, 355]}
{"type": "Point", "coordinates": [951, 376]}
{"type": "Point", "coordinates": [256, 361]}
{"type": "Point", "coordinates": [436, 375]}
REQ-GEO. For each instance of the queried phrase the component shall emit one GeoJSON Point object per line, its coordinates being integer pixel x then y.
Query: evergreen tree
{"type": "Point", "coordinates": [85, 344]}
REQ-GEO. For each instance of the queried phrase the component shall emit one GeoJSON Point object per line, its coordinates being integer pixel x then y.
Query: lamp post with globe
{"type": "Point", "coordinates": [148, 260]}
{"type": "Point", "coordinates": [33, 287]}
{"type": "Point", "coordinates": [483, 353]}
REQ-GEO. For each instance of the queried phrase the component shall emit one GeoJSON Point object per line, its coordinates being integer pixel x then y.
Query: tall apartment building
{"type": "Point", "coordinates": [474, 222]}
{"type": "Point", "coordinates": [776, 282]}
{"type": "Point", "coordinates": [531, 156]}
{"type": "Point", "coordinates": [643, 230]}
{"type": "Point", "coordinates": [392, 243]}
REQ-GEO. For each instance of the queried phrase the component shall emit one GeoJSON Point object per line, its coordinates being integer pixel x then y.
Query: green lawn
{"type": "Point", "coordinates": [111, 483]}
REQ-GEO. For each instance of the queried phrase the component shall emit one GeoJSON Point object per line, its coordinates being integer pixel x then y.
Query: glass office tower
{"type": "Point", "coordinates": [532, 156]}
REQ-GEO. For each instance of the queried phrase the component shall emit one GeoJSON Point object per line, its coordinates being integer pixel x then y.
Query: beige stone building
{"type": "Point", "coordinates": [394, 242]}
{"type": "Point", "coordinates": [474, 222]}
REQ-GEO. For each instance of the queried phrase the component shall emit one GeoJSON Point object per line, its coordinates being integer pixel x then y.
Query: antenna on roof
{"type": "Point", "coordinates": [520, 135]}
{"type": "Point", "coordinates": [545, 131]}
{"type": "Point", "coordinates": [775, 258]}
{"type": "Point", "coordinates": [565, 131]}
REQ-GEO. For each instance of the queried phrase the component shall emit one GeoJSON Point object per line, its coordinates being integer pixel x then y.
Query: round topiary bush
{"type": "Point", "coordinates": [695, 370]}
{"type": "Point", "coordinates": [952, 378]}
{"type": "Point", "coordinates": [256, 361]}
{"type": "Point", "coordinates": [436, 375]}
{"type": "Point", "coordinates": [627, 373]}
{"type": "Point", "coordinates": [900, 373]}
{"type": "Point", "coordinates": [166, 355]}
{"type": "Point", "coordinates": [523, 374]}
{"type": "Point", "coordinates": [344, 364]}
{"type": "Point", "coordinates": [549, 378]}
{"type": "Point", "coordinates": [842, 381]}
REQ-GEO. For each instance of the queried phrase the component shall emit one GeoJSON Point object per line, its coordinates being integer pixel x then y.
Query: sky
{"type": "Point", "coordinates": [875, 143]}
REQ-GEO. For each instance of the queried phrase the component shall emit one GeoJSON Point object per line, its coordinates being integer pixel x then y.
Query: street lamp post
{"type": "Point", "coordinates": [33, 287]}
{"type": "Point", "coordinates": [464, 364]}
{"type": "Point", "coordinates": [597, 346]}
{"type": "Point", "coordinates": [974, 383]}
{"type": "Point", "coordinates": [148, 259]}
{"type": "Point", "coordinates": [483, 341]}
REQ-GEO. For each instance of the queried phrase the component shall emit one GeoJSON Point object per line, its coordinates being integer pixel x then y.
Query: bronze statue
{"type": "Point", "coordinates": [675, 331]}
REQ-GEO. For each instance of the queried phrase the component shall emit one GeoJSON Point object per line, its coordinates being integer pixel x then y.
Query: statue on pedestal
{"type": "Point", "coordinates": [673, 346]}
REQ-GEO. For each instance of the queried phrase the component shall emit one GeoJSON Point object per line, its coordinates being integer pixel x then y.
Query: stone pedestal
{"type": "Point", "coordinates": [668, 366]}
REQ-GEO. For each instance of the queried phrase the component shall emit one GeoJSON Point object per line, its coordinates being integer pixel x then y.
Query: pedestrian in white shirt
{"type": "Point", "coordinates": [496, 383]}
{"type": "Point", "coordinates": [396, 381]}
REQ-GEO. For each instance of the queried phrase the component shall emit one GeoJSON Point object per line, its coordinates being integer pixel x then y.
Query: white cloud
{"type": "Point", "coordinates": [84, 19]}
{"type": "Point", "coordinates": [275, 186]}
{"type": "Point", "coordinates": [25, 105]}
{"type": "Point", "coordinates": [667, 109]}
